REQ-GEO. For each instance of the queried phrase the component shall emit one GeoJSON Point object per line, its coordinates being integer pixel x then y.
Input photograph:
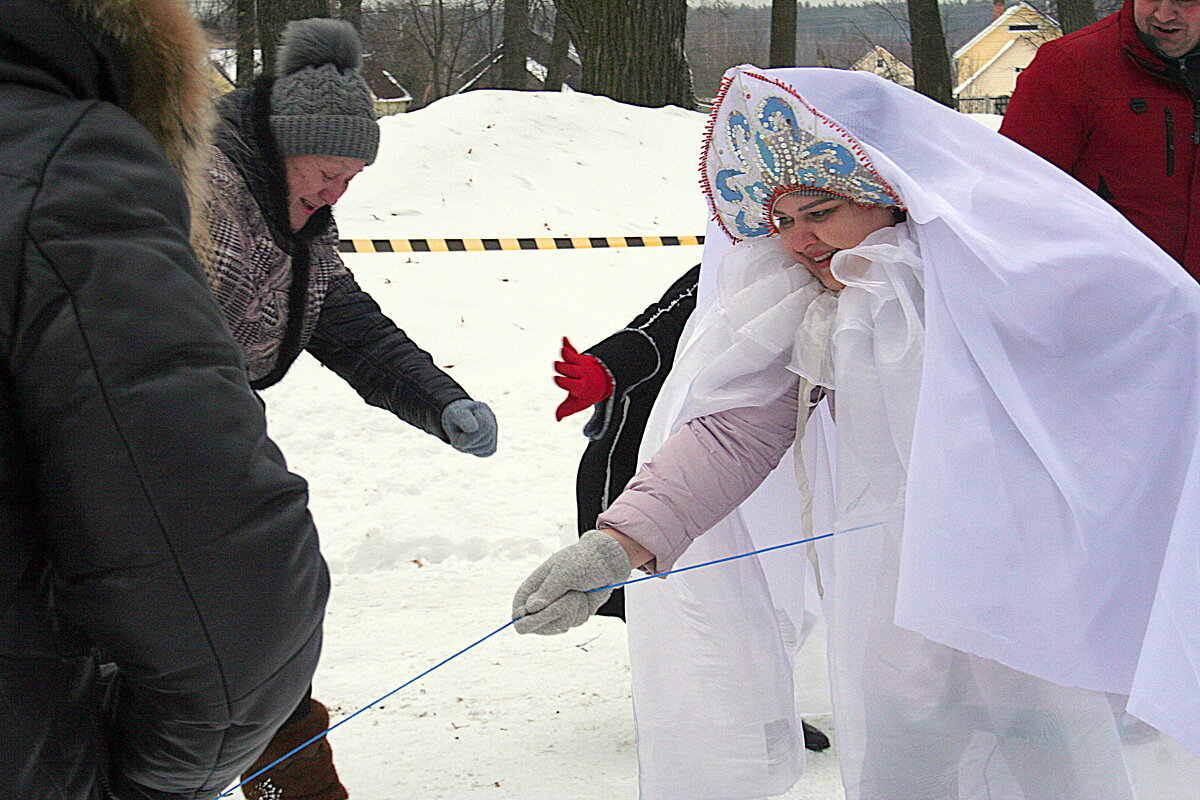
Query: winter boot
{"type": "Point", "coordinates": [307, 775]}
{"type": "Point", "coordinates": [814, 739]}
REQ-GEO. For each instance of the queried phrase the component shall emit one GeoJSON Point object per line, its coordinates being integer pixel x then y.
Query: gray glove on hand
{"type": "Point", "coordinates": [471, 426]}
{"type": "Point", "coordinates": [552, 599]}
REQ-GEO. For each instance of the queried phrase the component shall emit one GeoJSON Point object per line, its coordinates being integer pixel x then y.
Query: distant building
{"type": "Point", "coordinates": [222, 69]}
{"type": "Point", "coordinates": [218, 82]}
{"type": "Point", "coordinates": [989, 63]}
{"type": "Point", "coordinates": [880, 61]}
{"type": "Point", "coordinates": [390, 96]}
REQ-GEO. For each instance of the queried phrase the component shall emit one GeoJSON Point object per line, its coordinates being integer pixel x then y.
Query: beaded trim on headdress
{"type": "Point", "coordinates": [764, 141]}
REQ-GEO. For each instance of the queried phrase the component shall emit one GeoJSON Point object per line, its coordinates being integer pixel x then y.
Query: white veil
{"type": "Point", "coordinates": [1051, 518]}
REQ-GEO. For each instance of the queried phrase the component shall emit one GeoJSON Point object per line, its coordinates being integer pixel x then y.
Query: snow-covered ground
{"type": "Point", "coordinates": [426, 545]}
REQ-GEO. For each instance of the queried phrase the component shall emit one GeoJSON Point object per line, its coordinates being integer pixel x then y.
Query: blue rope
{"type": "Point", "coordinates": [325, 732]}
{"type": "Point", "coordinates": [445, 661]}
{"type": "Point", "coordinates": [731, 558]}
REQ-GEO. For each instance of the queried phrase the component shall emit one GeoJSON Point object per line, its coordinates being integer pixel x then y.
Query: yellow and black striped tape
{"type": "Point", "coordinates": [480, 245]}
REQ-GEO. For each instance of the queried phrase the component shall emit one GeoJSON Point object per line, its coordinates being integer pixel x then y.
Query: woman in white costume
{"type": "Point", "coordinates": [1014, 371]}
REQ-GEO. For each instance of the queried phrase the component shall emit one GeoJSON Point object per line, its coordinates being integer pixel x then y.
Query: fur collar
{"type": "Point", "coordinates": [165, 78]}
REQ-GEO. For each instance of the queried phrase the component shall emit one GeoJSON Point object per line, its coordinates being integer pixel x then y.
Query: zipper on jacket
{"type": "Point", "coordinates": [1170, 123]}
{"type": "Point", "coordinates": [1182, 81]}
{"type": "Point", "coordinates": [1195, 102]}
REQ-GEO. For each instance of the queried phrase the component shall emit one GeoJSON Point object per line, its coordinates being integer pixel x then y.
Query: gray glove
{"type": "Point", "coordinates": [552, 599]}
{"type": "Point", "coordinates": [471, 426]}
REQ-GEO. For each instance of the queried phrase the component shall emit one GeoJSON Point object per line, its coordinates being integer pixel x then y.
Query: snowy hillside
{"type": "Point", "coordinates": [492, 163]}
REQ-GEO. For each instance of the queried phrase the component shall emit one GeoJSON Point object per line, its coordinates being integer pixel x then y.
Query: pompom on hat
{"type": "Point", "coordinates": [764, 141]}
{"type": "Point", "coordinates": [320, 103]}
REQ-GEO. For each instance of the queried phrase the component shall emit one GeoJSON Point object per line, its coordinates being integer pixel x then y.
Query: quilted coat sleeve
{"type": "Point", "coordinates": [700, 474]}
{"type": "Point", "coordinates": [639, 356]}
{"type": "Point", "coordinates": [182, 546]}
{"type": "Point", "coordinates": [647, 344]}
{"type": "Point", "coordinates": [356, 340]}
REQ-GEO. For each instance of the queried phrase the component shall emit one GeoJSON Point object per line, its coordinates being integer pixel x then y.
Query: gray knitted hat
{"type": "Point", "coordinates": [320, 103]}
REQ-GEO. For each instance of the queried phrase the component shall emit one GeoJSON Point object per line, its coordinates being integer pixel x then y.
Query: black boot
{"type": "Point", "coordinates": [813, 738]}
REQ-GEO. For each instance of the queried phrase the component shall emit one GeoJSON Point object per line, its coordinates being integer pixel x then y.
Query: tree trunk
{"type": "Point", "coordinates": [560, 53]}
{"type": "Point", "coordinates": [931, 61]}
{"type": "Point", "coordinates": [274, 14]}
{"type": "Point", "coordinates": [352, 13]}
{"type": "Point", "coordinates": [632, 50]}
{"type": "Point", "coordinates": [247, 35]}
{"type": "Point", "coordinates": [783, 33]}
{"type": "Point", "coordinates": [1075, 14]}
{"type": "Point", "coordinates": [516, 44]}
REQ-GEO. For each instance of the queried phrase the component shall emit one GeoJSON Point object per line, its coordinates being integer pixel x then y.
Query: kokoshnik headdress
{"type": "Point", "coordinates": [764, 141]}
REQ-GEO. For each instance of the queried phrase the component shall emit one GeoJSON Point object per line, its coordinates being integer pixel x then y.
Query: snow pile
{"type": "Point", "coordinates": [992, 121]}
{"type": "Point", "coordinates": [492, 163]}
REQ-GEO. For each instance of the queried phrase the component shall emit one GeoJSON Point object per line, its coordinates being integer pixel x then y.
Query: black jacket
{"type": "Point", "coordinates": [144, 513]}
{"type": "Point", "coordinates": [639, 357]}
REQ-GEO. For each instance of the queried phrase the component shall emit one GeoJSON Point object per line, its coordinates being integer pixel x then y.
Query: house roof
{"type": "Point", "coordinates": [389, 88]}
{"type": "Point", "coordinates": [381, 82]}
{"type": "Point", "coordinates": [877, 51]}
{"type": "Point", "coordinates": [997, 22]}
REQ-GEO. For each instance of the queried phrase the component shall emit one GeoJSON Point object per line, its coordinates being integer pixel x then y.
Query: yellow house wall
{"type": "Point", "coordinates": [987, 47]}
{"type": "Point", "coordinates": [217, 83]}
{"type": "Point", "coordinates": [387, 107]}
{"type": "Point", "coordinates": [1001, 77]}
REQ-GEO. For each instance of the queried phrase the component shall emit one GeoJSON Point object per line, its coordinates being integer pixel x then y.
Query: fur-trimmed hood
{"type": "Point", "coordinates": [150, 57]}
{"type": "Point", "coordinates": [166, 67]}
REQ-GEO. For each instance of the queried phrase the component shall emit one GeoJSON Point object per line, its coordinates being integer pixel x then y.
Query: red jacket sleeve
{"type": "Point", "coordinates": [1047, 112]}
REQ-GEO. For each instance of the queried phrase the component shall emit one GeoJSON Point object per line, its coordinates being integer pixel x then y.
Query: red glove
{"type": "Point", "coordinates": [586, 380]}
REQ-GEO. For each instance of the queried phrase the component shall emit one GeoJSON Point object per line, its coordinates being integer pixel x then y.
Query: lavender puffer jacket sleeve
{"type": "Point", "coordinates": [700, 474]}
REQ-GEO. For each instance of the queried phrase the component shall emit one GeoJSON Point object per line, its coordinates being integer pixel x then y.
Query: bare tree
{"type": "Point", "coordinates": [931, 60]}
{"type": "Point", "coordinates": [441, 31]}
{"type": "Point", "coordinates": [247, 35]}
{"type": "Point", "coordinates": [1072, 15]}
{"type": "Point", "coordinates": [560, 50]}
{"type": "Point", "coordinates": [862, 38]}
{"type": "Point", "coordinates": [352, 13]}
{"type": "Point", "coordinates": [720, 35]}
{"type": "Point", "coordinates": [274, 14]}
{"type": "Point", "coordinates": [434, 47]}
{"type": "Point", "coordinates": [1075, 14]}
{"type": "Point", "coordinates": [783, 33]}
{"type": "Point", "coordinates": [516, 44]}
{"type": "Point", "coordinates": [632, 50]}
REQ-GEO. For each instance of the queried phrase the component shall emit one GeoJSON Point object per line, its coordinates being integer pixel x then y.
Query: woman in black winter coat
{"type": "Point", "coordinates": [621, 377]}
{"type": "Point", "coordinates": [142, 506]}
{"type": "Point", "coordinates": [286, 150]}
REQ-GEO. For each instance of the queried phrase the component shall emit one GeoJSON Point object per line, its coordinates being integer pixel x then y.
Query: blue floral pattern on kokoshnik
{"type": "Point", "coordinates": [764, 141]}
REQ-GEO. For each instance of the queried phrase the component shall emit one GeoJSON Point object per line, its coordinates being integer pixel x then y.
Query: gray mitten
{"type": "Point", "coordinates": [471, 426]}
{"type": "Point", "coordinates": [552, 599]}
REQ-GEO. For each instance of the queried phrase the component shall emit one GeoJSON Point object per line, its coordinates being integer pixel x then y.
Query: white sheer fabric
{"type": "Point", "coordinates": [1015, 380]}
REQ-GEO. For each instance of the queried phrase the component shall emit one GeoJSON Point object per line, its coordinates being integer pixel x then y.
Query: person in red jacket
{"type": "Point", "coordinates": [1117, 105]}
